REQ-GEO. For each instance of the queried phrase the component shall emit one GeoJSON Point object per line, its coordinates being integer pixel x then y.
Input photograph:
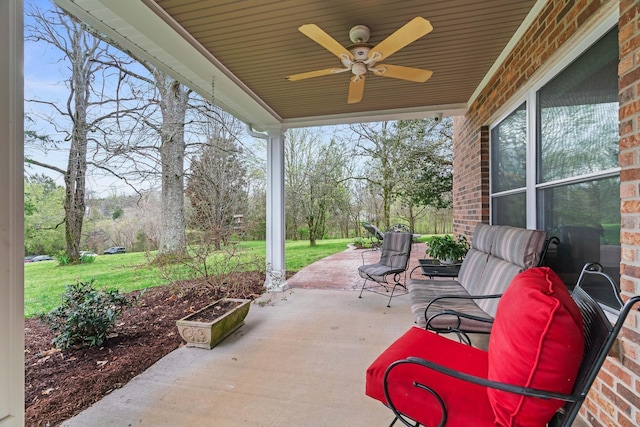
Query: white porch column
{"type": "Point", "coordinates": [276, 271]}
{"type": "Point", "coordinates": [11, 215]}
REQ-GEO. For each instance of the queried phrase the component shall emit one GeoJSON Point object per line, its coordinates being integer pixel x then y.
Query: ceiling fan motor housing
{"type": "Point", "coordinates": [360, 52]}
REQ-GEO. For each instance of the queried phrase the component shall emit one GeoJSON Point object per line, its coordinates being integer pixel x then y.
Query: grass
{"type": "Point", "coordinates": [299, 254]}
{"type": "Point", "coordinates": [45, 281]}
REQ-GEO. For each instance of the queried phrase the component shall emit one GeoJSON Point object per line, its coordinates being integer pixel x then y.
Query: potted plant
{"type": "Point", "coordinates": [219, 277]}
{"type": "Point", "coordinates": [446, 249]}
{"type": "Point", "coordinates": [207, 327]}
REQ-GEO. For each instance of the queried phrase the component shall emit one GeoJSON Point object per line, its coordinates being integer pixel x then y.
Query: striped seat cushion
{"type": "Point", "coordinates": [498, 253]}
{"type": "Point", "coordinates": [460, 305]}
{"type": "Point", "coordinates": [372, 271]}
{"type": "Point", "coordinates": [518, 245]}
{"type": "Point", "coordinates": [483, 238]}
{"type": "Point", "coordinates": [473, 265]}
{"type": "Point", "coordinates": [495, 280]}
{"type": "Point", "coordinates": [422, 292]}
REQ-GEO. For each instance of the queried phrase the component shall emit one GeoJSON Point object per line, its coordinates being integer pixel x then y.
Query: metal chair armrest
{"type": "Point", "coordinates": [412, 270]}
{"type": "Point", "coordinates": [458, 315]}
{"type": "Point", "coordinates": [450, 296]}
{"type": "Point", "coordinates": [375, 249]}
{"type": "Point", "coordinates": [526, 391]}
{"type": "Point", "coordinates": [462, 334]}
{"type": "Point", "coordinates": [511, 388]}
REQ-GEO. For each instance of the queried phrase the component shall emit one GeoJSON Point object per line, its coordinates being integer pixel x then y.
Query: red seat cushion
{"type": "Point", "coordinates": [537, 341]}
{"type": "Point", "coordinates": [467, 404]}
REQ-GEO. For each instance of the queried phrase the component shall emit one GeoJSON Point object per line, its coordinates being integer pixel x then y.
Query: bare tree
{"type": "Point", "coordinates": [170, 129]}
{"type": "Point", "coordinates": [153, 144]}
{"type": "Point", "coordinates": [87, 110]}
{"type": "Point", "coordinates": [145, 141]}
{"type": "Point", "coordinates": [299, 147]}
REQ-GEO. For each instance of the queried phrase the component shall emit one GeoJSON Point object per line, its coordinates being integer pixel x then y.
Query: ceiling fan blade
{"type": "Point", "coordinates": [404, 73]}
{"type": "Point", "coordinates": [318, 35]}
{"type": "Point", "coordinates": [316, 73]}
{"type": "Point", "coordinates": [408, 33]}
{"type": "Point", "coordinates": [356, 90]}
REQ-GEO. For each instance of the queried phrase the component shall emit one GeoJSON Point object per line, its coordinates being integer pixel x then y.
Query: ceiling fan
{"type": "Point", "coordinates": [361, 56]}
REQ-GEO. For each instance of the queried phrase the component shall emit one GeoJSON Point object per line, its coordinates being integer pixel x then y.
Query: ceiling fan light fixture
{"type": "Point", "coordinates": [359, 34]}
{"type": "Point", "coordinates": [359, 68]}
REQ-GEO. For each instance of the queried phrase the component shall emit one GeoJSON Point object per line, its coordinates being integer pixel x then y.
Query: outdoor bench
{"type": "Point", "coordinates": [545, 351]}
{"type": "Point", "coordinates": [497, 254]}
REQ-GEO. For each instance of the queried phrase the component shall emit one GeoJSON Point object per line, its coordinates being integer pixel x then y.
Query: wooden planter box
{"type": "Point", "coordinates": [207, 327]}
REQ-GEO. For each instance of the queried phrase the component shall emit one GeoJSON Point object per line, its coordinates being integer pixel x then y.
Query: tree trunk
{"type": "Point", "coordinates": [75, 176]}
{"type": "Point", "coordinates": [174, 100]}
{"type": "Point", "coordinates": [386, 207]}
{"type": "Point", "coordinates": [74, 179]}
{"type": "Point", "coordinates": [412, 219]}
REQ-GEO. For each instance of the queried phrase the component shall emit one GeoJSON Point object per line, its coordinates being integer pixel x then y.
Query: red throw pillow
{"type": "Point", "coordinates": [536, 341]}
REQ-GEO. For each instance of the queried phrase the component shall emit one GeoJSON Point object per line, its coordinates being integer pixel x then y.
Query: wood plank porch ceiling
{"type": "Point", "coordinates": [259, 42]}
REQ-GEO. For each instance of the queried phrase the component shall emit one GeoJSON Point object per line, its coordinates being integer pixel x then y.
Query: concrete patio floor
{"type": "Point", "coordinates": [298, 360]}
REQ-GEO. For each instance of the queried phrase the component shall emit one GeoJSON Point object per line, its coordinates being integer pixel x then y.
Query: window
{"type": "Point", "coordinates": [585, 216]}
{"type": "Point", "coordinates": [570, 186]}
{"type": "Point", "coordinates": [578, 115]}
{"type": "Point", "coordinates": [510, 209]}
{"type": "Point", "coordinates": [508, 154]}
{"type": "Point", "coordinates": [508, 171]}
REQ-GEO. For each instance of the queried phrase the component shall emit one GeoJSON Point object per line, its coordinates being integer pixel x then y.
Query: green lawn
{"type": "Point", "coordinates": [45, 280]}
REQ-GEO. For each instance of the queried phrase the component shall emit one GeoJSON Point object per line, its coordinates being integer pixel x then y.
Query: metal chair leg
{"type": "Point", "coordinates": [362, 290]}
{"type": "Point", "coordinates": [396, 284]}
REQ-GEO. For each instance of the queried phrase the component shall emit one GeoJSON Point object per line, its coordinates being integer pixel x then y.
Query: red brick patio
{"type": "Point", "coordinates": [340, 271]}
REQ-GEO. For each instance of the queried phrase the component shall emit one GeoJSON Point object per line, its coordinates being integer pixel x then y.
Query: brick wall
{"type": "Point", "coordinates": [619, 381]}
{"type": "Point", "coordinates": [556, 23]}
{"type": "Point", "coordinates": [471, 175]}
{"type": "Point", "coordinates": [615, 397]}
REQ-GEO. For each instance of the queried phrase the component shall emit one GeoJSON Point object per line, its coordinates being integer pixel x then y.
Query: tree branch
{"type": "Point", "coordinates": [44, 165]}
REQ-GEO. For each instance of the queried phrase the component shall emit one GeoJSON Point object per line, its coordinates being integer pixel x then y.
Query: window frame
{"type": "Point", "coordinates": [529, 96]}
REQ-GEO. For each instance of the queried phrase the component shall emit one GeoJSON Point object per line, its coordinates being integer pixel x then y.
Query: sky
{"type": "Point", "coordinates": [45, 72]}
{"type": "Point", "coordinates": [44, 79]}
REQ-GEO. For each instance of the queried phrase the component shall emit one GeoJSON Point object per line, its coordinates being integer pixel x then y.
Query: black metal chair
{"type": "Point", "coordinates": [553, 239]}
{"type": "Point", "coordinates": [394, 259]}
{"type": "Point", "coordinates": [599, 334]}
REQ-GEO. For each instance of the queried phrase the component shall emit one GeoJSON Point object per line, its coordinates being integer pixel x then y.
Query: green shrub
{"type": "Point", "coordinates": [362, 243]}
{"type": "Point", "coordinates": [87, 259]}
{"type": "Point", "coordinates": [85, 316]}
{"type": "Point", "coordinates": [62, 258]}
{"type": "Point", "coordinates": [303, 233]}
{"type": "Point", "coordinates": [358, 241]}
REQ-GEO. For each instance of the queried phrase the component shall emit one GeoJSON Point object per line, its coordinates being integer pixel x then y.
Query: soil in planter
{"type": "Point", "coordinates": [213, 312]}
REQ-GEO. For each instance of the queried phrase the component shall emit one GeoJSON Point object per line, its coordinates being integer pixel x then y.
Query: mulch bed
{"type": "Point", "coordinates": [60, 384]}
